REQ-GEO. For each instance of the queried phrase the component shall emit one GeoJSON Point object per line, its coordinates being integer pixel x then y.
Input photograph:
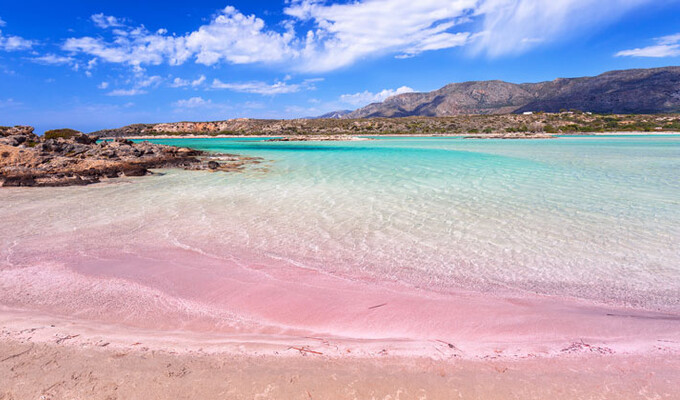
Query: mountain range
{"type": "Point", "coordinates": [634, 91]}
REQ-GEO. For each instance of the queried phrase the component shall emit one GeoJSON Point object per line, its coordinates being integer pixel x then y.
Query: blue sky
{"type": "Point", "coordinates": [94, 64]}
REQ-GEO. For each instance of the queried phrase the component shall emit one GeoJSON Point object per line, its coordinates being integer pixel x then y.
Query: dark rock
{"type": "Point", "coordinates": [213, 164]}
{"type": "Point", "coordinates": [111, 173]}
{"type": "Point", "coordinates": [19, 180]}
{"type": "Point", "coordinates": [134, 170]}
{"type": "Point", "coordinates": [124, 141]}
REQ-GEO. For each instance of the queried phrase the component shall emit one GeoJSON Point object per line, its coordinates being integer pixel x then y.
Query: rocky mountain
{"type": "Point", "coordinates": [636, 91]}
{"type": "Point", "coordinates": [334, 114]}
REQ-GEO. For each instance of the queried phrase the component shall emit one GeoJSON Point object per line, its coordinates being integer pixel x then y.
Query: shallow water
{"type": "Point", "coordinates": [591, 218]}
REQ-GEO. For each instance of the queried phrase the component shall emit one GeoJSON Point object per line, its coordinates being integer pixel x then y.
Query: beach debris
{"type": "Point", "coordinates": [581, 346]}
{"type": "Point", "coordinates": [17, 354]}
{"type": "Point", "coordinates": [304, 350]}
{"type": "Point", "coordinates": [450, 345]}
{"type": "Point", "coordinates": [377, 306]}
{"type": "Point", "coordinates": [62, 339]}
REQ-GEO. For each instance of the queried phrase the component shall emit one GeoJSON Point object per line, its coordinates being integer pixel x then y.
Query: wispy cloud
{"type": "Point", "coordinates": [179, 82]}
{"type": "Point", "coordinates": [141, 85]}
{"type": "Point", "coordinates": [345, 33]}
{"type": "Point", "coordinates": [126, 92]}
{"type": "Point", "coordinates": [666, 46]}
{"type": "Point", "coordinates": [515, 26]}
{"type": "Point", "coordinates": [342, 34]}
{"type": "Point", "coordinates": [318, 36]}
{"type": "Point", "coordinates": [199, 106]}
{"type": "Point", "coordinates": [52, 59]}
{"type": "Point", "coordinates": [263, 87]}
{"type": "Point", "coordinates": [9, 103]}
{"type": "Point", "coordinates": [194, 102]}
{"type": "Point", "coordinates": [366, 97]}
{"type": "Point", "coordinates": [106, 21]}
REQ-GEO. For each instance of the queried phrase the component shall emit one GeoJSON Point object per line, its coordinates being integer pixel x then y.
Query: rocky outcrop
{"type": "Point", "coordinates": [638, 91]}
{"type": "Point", "coordinates": [30, 160]}
{"type": "Point", "coordinates": [6, 131]}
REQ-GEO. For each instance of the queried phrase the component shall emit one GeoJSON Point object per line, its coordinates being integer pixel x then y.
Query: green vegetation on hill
{"type": "Point", "coordinates": [571, 122]}
{"type": "Point", "coordinates": [61, 133]}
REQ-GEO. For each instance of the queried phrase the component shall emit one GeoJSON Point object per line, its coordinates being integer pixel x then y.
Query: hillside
{"type": "Point", "coordinates": [638, 91]}
{"type": "Point", "coordinates": [567, 122]}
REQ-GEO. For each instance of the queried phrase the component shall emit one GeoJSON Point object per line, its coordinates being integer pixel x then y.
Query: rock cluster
{"type": "Point", "coordinates": [27, 159]}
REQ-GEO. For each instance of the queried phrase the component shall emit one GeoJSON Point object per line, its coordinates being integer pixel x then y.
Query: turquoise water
{"type": "Point", "coordinates": [595, 218]}
{"type": "Point", "coordinates": [591, 217]}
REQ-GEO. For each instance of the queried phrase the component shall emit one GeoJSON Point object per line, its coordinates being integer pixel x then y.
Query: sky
{"type": "Point", "coordinates": [91, 65]}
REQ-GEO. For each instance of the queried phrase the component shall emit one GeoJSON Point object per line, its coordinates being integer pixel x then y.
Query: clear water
{"type": "Point", "coordinates": [595, 218]}
{"type": "Point", "coordinates": [590, 217]}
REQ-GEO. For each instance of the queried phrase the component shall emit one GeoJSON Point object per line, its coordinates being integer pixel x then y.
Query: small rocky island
{"type": "Point", "coordinates": [66, 157]}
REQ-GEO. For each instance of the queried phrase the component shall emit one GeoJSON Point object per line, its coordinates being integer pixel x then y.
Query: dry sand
{"type": "Point", "coordinates": [52, 359]}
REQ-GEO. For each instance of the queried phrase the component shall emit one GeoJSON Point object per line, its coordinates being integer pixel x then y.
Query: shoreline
{"type": "Point", "coordinates": [349, 137]}
{"type": "Point", "coordinates": [271, 306]}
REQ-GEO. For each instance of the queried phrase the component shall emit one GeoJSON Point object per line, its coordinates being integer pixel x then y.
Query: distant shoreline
{"type": "Point", "coordinates": [350, 137]}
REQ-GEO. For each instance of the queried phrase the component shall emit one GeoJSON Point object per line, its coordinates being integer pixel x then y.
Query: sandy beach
{"type": "Point", "coordinates": [396, 268]}
{"type": "Point", "coordinates": [53, 359]}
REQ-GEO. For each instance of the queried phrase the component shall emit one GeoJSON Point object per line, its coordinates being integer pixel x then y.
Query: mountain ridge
{"type": "Point", "coordinates": [632, 91]}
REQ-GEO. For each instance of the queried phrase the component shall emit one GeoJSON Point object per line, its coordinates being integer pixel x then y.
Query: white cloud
{"type": "Point", "coordinates": [263, 87]}
{"type": "Point", "coordinates": [342, 34]}
{"type": "Point", "coordinates": [194, 102]}
{"type": "Point", "coordinates": [366, 97]}
{"type": "Point", "coordinates": [106, 21]}
{"type": "Point", "coordinates": [198, 82]}
{"type": "Point", "coordinates": [52, 59]}
{"type": "Point", "coordinates": [14, 43]}
{"type": "Point", "coordinates": [179, 82]}
{"type": "Point", "coordinates": [514, 26]}
{"type": "Point", "coordinates": [103, 85]}
{"type": "Point", "coordinates": [317, 36]}
{"type": "Point", "coordinates": [126, 92]}
{"type": "Point", "coordinates": [666, 46]}
{"type": "Point", "coordinates": [239, 39]}
{"type": "Point", "coordinates": [141, 85]}
{"type": "Point", "coordinates": [152, 81]}
{"type": "Point", "coordinates": [345, 33]}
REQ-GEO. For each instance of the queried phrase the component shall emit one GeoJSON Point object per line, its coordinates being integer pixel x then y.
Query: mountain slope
{"type": "Point", "coordinates": [629, 91]}
{"type": "Point", "coordinates": [334, 114]}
